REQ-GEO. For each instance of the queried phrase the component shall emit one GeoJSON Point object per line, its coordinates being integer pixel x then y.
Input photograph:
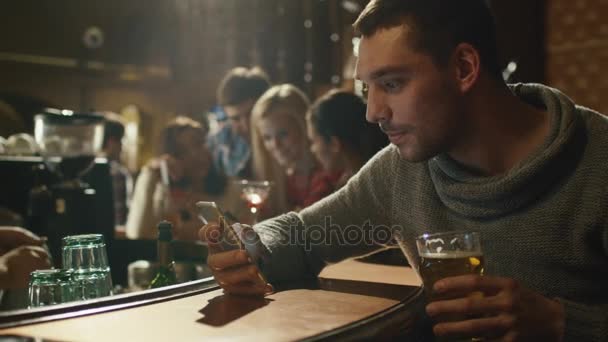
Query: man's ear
{"type": "Point", "coordinates": [467, 66]}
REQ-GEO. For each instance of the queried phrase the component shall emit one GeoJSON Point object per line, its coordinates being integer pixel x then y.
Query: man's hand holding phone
{"type": "Point", "coordinates": [235, 266]}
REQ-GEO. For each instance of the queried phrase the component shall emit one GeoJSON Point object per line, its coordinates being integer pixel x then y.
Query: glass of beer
{"type": "Point", "coordinates": [448, 254]}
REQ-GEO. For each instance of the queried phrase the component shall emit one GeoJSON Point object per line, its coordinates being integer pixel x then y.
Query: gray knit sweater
{"type": "Point", "coordinates": [543, 223]}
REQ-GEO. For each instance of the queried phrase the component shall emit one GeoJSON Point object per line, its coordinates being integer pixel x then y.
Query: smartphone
{"type": "Point", "coordinates": [211, 212]}
{"type": "Point", "coordinates": [235, 235]}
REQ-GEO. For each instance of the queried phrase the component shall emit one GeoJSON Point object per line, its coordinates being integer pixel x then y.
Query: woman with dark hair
{"type": "Point", "coordinates": [169, 186]}
{"type": "Point", "coordinates": [341, 139]}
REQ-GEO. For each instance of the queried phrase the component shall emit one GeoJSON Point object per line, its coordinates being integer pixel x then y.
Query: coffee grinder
{"type": "Point", "coordinates": [60, 202]}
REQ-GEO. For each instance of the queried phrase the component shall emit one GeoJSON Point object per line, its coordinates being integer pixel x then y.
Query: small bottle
{"type": "Point", "coordinates": [166, 273]}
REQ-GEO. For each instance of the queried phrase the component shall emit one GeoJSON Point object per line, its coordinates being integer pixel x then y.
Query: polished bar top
{"type": "Point", "coordinates": [349, 292]}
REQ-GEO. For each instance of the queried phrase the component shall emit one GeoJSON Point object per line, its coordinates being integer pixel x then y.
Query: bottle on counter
{"type": "Point", "coordinates": [166, 272]}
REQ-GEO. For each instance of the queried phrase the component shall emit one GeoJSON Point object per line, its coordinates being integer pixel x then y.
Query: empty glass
{"type": "Point", "coordinates": [50, 287]}
{"type": "Point", "coordinates": [85, 256]}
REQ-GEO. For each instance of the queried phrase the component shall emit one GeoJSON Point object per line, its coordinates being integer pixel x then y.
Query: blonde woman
{"type": "Point", "coordinates": [281, 150]}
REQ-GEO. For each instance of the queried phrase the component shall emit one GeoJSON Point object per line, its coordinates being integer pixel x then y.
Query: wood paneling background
{"type": "Point", "coordinates": [520, 31]}
{"type": "Point", "coordinates": [577, 50]}
{"type": "Point", "coordinates": [167, 57]}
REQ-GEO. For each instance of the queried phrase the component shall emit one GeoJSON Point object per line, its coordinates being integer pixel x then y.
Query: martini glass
{"type": "Point", "coordinates": [255, 194]}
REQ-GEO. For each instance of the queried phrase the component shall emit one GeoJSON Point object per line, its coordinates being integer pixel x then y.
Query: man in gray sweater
{"type": "Point", "coordinates": [521, 164]}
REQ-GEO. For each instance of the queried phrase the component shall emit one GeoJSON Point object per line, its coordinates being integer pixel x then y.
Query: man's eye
{"type": "Point", "coordinates": [392, 85]}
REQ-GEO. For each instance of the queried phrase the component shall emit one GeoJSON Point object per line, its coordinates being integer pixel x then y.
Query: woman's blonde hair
{"type": "Point", "coordinates": [285, 99]}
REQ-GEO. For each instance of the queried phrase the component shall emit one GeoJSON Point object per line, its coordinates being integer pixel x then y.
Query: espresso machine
{"type": "Point", "coordinates": [64, 190]}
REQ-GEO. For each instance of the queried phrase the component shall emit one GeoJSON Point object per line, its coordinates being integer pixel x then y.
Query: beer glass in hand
{"type": "Point", "coordinates": [448, 254]}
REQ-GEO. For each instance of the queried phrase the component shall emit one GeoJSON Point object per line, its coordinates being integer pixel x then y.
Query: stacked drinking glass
{"type": "Point", "coordinates": [85, 274]}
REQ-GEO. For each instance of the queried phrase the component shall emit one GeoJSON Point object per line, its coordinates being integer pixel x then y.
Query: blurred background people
{"type": "Point", "coordinates": [341, 138]}
{"type": "Point", "coordinates": [114, 131]}
{"type": "Point", "coordinates": [236, 95]}
{"type": "Point", "coordinates": [9, 217]}
{"type": "Point", "coordinates": [169, 186]}
{"type": "Point", "coordinates": [21, 252]}
{"type": "Point", "coordinates": [281, 150]}
{"type": "Point", "coordinates": [12, 122]}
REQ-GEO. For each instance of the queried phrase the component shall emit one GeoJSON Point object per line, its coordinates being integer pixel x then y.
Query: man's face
{"type": "Point", "coordinates": [416, 103]}
{"type": "Point", "coordinates": [238, 116]}
{"type": "Point", "coordinates": [113, 148]}
{"type": "Point", "coordinates": [193, 152]}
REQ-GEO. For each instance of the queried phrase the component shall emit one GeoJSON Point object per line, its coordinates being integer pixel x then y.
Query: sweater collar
{"type": "Point", "coordinates": [472, 196]}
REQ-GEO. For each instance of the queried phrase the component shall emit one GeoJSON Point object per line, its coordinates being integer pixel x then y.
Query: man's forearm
{"type": "Point", "coordinates": [288, 261]}
{"type": "Point", "coordinates": [352, 221]}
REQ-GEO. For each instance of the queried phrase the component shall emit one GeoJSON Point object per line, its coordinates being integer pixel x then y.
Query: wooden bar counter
{"type": "Point", "coordinates": [352, 300]}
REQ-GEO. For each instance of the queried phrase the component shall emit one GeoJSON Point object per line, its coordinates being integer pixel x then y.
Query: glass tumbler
{"type": "Point", "coordinates": [50, 287]}
{"type": "Point", "coordinates": [86, 257]}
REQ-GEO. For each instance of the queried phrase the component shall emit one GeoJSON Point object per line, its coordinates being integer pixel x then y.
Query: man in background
{"type": "Point", "coordinates": [237, 93]}
{"type": "Point", "coordinates": [114, 131]}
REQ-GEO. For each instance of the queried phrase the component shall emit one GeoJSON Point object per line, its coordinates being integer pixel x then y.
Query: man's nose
{"type": "Point", "coordinates": [377, 109]}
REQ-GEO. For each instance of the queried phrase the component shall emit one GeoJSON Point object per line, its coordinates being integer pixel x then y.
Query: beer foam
{"type": "Point", "coordinates": [451, 255]}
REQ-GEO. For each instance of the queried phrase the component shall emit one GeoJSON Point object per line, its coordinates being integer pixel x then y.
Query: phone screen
{"type": "Point", "coordinates": [235, 235]}
{"type": "Point", "coordinates": [211, 212]}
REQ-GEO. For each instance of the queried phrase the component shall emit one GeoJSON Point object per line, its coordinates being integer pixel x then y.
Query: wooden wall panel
{"type": "Point", "coordinates": [166, 57]}
{"type": "Point", "coordinates": [577, 50]}
{"type": "Point", "coordinates": [190, 44]}
{"type": "Point", "coordinates": [521, 37]}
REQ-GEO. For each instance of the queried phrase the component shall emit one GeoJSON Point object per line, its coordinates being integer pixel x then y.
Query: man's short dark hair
{"type": "Point", "coordinates": [241, 84]}
{"type": "Point", "coordinates": [438, 26]}
{"type": "Point", "coordinates": [113, 127]}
